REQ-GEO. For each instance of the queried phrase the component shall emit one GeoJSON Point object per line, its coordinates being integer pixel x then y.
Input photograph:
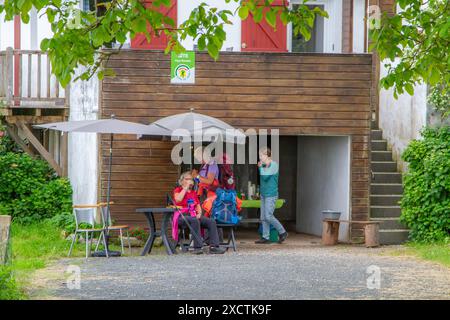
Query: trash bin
{"type": "Point", "coordinates": [273, 233]}
{"type": "Point", "coordinates": [331, 214]}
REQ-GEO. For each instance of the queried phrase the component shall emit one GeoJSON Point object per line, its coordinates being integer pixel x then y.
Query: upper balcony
{"type": "Point", "coordinates": [27, 87]}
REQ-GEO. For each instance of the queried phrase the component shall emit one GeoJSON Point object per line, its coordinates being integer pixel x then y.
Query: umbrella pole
{"type": "Point", "coordinates": [108, 194]}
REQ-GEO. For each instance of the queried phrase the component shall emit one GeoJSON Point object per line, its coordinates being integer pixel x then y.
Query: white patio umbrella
{"type": "Point", "coordinates": [198, 126]}
{"type": "Point", "coordinates": [107, 126]}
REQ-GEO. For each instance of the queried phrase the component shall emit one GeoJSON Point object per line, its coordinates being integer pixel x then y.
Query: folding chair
{"type": "Point", "coordinates": [86, 214]}
{"type": "Point", "coordinates": [106, 216]}
{"type": "Point", "coordinates": [184, 243]}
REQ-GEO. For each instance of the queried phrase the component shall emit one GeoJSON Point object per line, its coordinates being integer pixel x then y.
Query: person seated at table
{"type": "Point", "coordinates": [185, 197]}
{"type": "Point", "coordinates": [208, 176]}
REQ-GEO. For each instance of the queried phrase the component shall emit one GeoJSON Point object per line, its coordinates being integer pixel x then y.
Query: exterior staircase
{"type": "Point", "coordinates": [386, 191]}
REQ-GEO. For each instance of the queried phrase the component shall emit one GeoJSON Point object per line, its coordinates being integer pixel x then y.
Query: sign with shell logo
{"type": "Point", "coordinates": [182, 67]}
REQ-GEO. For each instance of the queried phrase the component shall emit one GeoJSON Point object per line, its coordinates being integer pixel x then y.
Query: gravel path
{"type": "Point", "coordinates": [313, 272]}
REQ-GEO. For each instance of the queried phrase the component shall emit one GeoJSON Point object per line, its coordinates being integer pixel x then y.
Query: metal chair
{"type": "Point", "coordinates": [106, 216]}
{"type": "Point", "coordinates": [86, 214]}
{"type": "Point", "coordinates": [184, 242]}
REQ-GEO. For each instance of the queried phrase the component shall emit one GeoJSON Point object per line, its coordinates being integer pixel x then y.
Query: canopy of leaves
{"type": "Point", "coordinates": [415, 43]}
{"type": "Point", "coordinates": [79, 36]}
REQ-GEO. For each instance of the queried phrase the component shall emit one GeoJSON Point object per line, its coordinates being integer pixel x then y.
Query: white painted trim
{"type": "Point", "coordinates": [358, 25]}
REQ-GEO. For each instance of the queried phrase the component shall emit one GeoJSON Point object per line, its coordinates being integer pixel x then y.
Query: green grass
{"type": "Point", "coordinates": [437, 252]}
{"type": "Point", "coordinates": [34, 247]}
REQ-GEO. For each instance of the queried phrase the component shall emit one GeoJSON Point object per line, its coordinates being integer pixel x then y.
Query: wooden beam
{"type": "Point", "coordinates": [34, 119]}
{"type": "Point", "coordinates": [5, 223]}
{"type": "Point", "coordinates": [12, 133]}
{"type": "Point", "coordinates": [39, 147]}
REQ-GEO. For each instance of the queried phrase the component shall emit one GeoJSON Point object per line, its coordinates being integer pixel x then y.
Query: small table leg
{"type": "Point", "coordinates": [151, 238]}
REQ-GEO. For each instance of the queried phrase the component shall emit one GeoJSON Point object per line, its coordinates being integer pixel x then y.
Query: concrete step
{"type": "Point", "coordinates": [379, 155]}
{"type": "Point", "coordinates": [379, 145]}
{"type": "Point", "coordinates": [385, 199]}
{"type": "Point", "coordinates": [384, 166]}
{"type": "Point", "coordinates": [376, 134]}
{"type": "Point", "coordinates": [385, 211]}
{"type": "Point", "coordinates": [395, 236]}
{"type": "Point", "coordinates": [386, 177]}
{"type": "Point", "coordinates": [386, 188]}
{"type": "Point", "coordinates": [389, 223]}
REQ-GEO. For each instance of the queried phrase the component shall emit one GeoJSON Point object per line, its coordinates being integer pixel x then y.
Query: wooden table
{"type": "Point", "coordinates": [330, 232]}
{"type": "Point", "coordinates": [149, 214]}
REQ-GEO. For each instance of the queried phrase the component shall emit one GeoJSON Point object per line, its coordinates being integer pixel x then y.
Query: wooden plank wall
{"type": "Point", "coordinates": [311, 94]}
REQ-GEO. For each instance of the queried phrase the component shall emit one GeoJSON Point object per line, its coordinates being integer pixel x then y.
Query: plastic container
{"type": "Point", "coordinates": [331, 214]}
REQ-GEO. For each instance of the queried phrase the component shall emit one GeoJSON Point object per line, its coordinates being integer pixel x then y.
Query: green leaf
{"type": "Point", "coordinates": [212, 49]}
{"type": "Point", "coordinates": [409, 88]}
{"type": "Point", "coordinates": [243, 12]}
{"type": "Point", "coordinates": [258, 14]}
{"type": "Point", "coordinates": [45, 43]}
{"type": "Point", "coordinates": [271, 18]}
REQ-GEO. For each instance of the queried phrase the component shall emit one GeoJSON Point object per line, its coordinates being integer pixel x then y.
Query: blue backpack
{"type": "Point", "coordinates": [224, 207]}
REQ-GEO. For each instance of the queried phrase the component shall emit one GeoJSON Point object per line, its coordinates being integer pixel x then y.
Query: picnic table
{"type": "Point", "coordinates": [256, 203]}
{"type": "Point", "coordinates": [149, 214]}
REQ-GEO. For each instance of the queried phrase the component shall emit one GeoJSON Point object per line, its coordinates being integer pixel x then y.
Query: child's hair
{"type": "Point", "coordinates": [266, 151]}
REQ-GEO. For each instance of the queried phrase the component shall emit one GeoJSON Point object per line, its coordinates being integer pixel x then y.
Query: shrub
{"type": "Point", "coordinates": [426, 197]}
{"type": "Point", "coordinates": [8, 286]}
{"type": "Point", "coordinates": [6, 143]}
{"type": "Point", "coordinates": [29, 189]}
{"type": "Point", "coordinates": [138, 233]}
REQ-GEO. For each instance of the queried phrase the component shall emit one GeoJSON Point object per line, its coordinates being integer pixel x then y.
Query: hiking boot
{"type": "Point", "coordinates": [262, 241]}
{"type": "Point", "coordinates": [282, 237]}
{"type": "Point", "coordinates": [197, 251]}
{"type": "Point", "coordinates": [217, 250]}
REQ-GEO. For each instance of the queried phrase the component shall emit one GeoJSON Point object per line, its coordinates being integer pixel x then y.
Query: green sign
{"type": "Point", "coordinates": [182, 68]}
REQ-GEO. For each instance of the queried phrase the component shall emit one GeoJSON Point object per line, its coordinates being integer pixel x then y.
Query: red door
{"type": "Point", "coordinates": [261, 36]}
{"type": "Point", "coordinates": [158, 42]}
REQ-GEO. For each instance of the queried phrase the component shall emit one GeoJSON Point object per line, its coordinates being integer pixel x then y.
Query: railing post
{"type": "Point", "coordinates": [9, 76]}
{"type": "Point", "coordinates": [5, 223]}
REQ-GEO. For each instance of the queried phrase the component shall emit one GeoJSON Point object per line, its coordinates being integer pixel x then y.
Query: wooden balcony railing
{"type": "Point", "coordinates": [26, 81]}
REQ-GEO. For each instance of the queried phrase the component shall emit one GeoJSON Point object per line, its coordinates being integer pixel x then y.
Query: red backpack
{"type": "Point", "coordinates": [226, 175]}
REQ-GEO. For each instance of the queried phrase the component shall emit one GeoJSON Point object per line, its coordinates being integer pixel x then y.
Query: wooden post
{"type": "Point", "coordinates": [9, 67]}
{"type": "Point", "coordinates": [63, 153]}
{"type": "Point", "coordinates": [5, 223]}
{"type": "Point", "coordinates": [330, 233]}
{"type": "Point", "coordinates": [371, 234]}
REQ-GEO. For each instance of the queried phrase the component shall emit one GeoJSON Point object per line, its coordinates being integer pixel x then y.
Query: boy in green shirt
{"type": "Point", "coordinates": [268, 170]}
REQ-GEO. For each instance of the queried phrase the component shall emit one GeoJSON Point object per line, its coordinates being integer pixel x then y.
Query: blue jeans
{"type": "Point", "coordinates": [267, 217]}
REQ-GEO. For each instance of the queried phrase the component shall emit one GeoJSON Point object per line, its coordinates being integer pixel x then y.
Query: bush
{"type": "Point", "coordinates": [6, 143]}
{"type": "Point", "coordinates": [138, 233]}
{"type": "Point", "coordinates": [426, 197]}
{"type": "Point", "coordinates": [30, 191]}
